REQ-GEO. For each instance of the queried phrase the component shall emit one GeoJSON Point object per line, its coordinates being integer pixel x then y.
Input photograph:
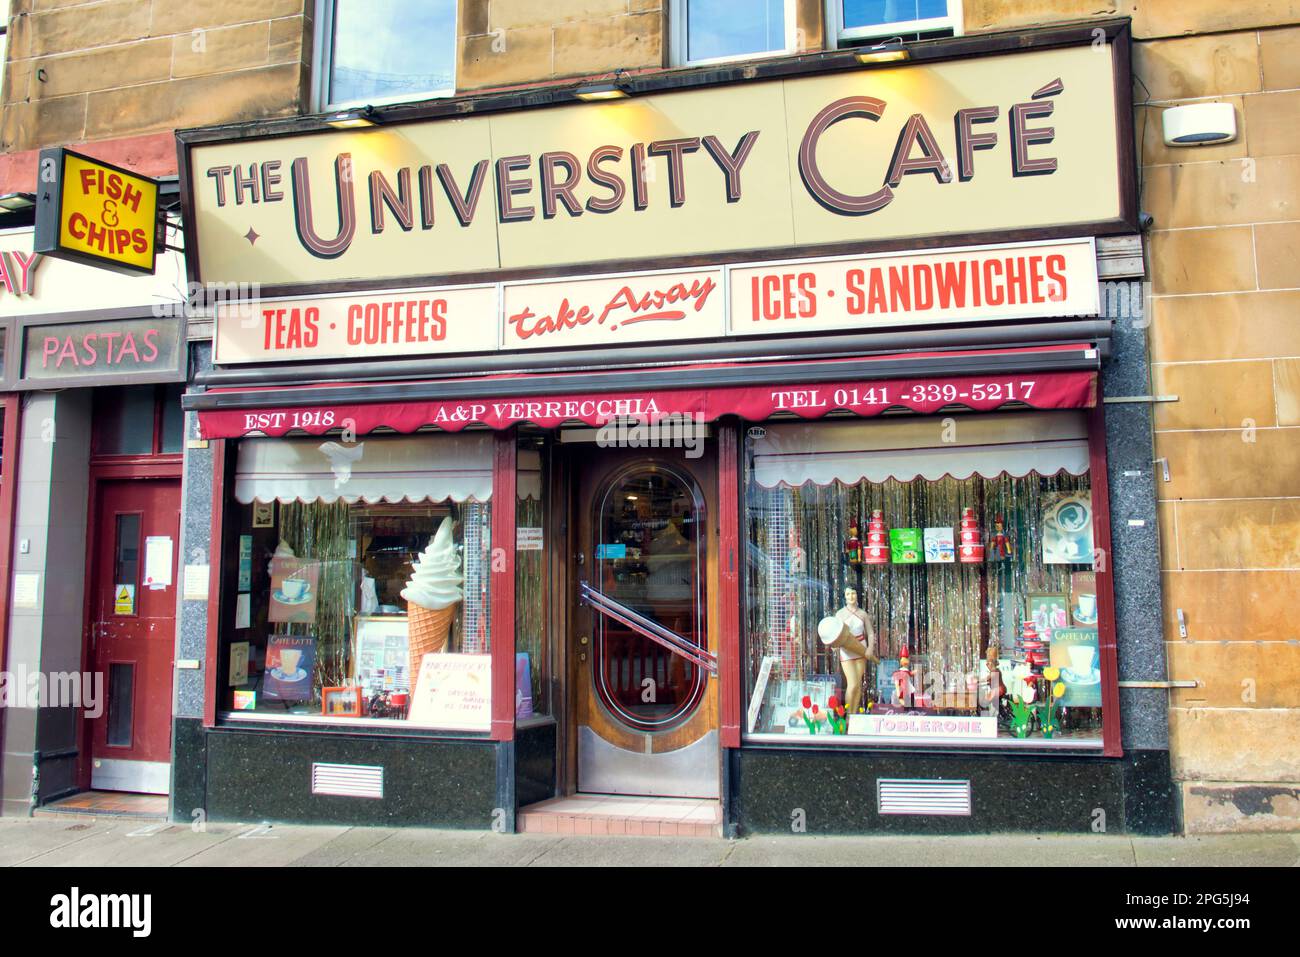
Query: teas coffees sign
{"type": "Point", "coordinates": [1020, 281]}
{"type": "Point", "coordinates": [95, 213]}
{"type": "Point", "coordinates": [969, 146]}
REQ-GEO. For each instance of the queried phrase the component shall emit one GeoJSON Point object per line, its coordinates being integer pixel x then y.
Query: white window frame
{"type": "Point", "coordinates": [837, 35]}
{"type": "Point", "coordinates": [322, 58]}
{"type": "Point", "coordinates": [679, 36]}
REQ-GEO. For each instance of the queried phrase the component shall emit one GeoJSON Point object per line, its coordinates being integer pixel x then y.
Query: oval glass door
{"type": "Point", "coordinates": [649, 558]}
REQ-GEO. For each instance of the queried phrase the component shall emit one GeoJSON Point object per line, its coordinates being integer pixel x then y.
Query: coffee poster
{"type": "Point", "coordinates": [1083, 599]}
{"type": "Point", "coordinates": [290, 662]}
{"type": "Point", "coordinates": [1075, 652]}
{"type": "Point", "coordinates": [1067, 529]}
{"type": "Point", "coordinates": [293, 591]}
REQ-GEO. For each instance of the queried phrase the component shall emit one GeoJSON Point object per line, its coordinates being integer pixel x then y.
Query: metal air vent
{"type": "Point", "coordinates": [347, 780]}
{"type": "Point", "coordinates": [913, 796]}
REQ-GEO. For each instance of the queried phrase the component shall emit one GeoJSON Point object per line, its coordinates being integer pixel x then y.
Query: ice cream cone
{"type": "Point", "coordinates": [427, 631]}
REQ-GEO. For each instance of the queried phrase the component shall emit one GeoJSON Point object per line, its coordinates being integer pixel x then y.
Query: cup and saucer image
{"type": "Point", "coordinates": [1067, 532]}
{"type": "Point", "coordinates": [1085, 611]}
{"type": "Point", "coordinates": [289, 671]}
{"type": "Point", "coordinates": [1082, 670]}
{"type": "Point", "coordinates": [293, 591]}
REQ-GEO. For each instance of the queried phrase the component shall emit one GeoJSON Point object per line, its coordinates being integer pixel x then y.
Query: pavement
{"type": "Point", "coordinates": [84, 842]}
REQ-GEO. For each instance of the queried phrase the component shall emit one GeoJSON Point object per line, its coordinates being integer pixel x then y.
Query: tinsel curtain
{"type": "Point", "coordinates": [321, 533]}
{"type": "Point", "coordinates": [945, 614]}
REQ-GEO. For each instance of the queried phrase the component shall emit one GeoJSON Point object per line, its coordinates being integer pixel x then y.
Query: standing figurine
{"type": "Point", "coordinates": [995, 679]}
{"type": "Point", "coordinates": [853, 547]}
{"type": "Point", "coordinates": [999, 547]}
{"type": "Point", "coordinates": [903, 687]}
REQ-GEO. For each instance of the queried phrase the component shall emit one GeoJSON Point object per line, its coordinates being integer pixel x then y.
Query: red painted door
{"type": "Point", "coordinates": [133, 630]}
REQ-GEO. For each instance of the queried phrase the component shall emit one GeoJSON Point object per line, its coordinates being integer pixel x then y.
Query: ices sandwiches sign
{"type": "Point", "coordinates": [975, 284]}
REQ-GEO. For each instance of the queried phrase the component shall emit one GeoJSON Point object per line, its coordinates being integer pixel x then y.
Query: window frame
{"type": "Point", "coordinates": [323, 61]}
{"type": "Point", "coordinates": [838, 35]}
{"type": "Point", "coordinates": [1106, 743]}
{"type": "Point", "coordinates": [679, 37]}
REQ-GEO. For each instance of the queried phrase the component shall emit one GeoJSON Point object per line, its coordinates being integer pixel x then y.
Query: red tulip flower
{"type": "Point", "coordinates": [807, 701]}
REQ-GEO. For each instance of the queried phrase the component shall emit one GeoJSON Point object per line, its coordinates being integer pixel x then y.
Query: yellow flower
{"type": "Point", "coordinates": [1051, 674]}
{"type": "Point", "coordinates": [1058, 689]}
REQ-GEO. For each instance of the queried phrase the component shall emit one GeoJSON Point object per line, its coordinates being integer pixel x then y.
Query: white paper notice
{"type": "Point", "coordinates": [157, 561]}
{"type": "Point", "coordinates": [528, 539]}
{"type": "Point", "coordinates": [196, 583]}
{"type": "Point", "coordinates": [243, 610]}
{"type": "Point", "coordinates": [26, 591]}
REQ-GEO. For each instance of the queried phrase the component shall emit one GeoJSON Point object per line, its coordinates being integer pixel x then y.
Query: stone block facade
{"type": "Point", "coordinates": [78, 71]}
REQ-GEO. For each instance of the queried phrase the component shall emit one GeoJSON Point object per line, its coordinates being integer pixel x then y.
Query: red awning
{"type": "Point", "coordinates": [865, 397]}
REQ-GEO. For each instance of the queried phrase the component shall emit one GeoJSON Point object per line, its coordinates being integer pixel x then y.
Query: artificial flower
{"type": "Point", "coordinates": [807, 701]}
{"type": "Point", "coordinates": [1058, 689]}
{"type": "Point", "coordinates": [1051, 674]}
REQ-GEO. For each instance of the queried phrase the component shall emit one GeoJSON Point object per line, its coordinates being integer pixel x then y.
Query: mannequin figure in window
{"type": "Point", "coordinates": [855, 653]}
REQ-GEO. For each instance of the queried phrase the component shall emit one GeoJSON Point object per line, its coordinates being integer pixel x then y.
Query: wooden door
{"type": "Point", "coordinates": [133, 631]}
{"type": "Point", "coordinates": [643, 622]}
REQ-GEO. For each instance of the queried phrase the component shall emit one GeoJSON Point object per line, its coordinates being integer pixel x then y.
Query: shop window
{"type": "Point", "coordinates": [347, 567]}
{"type": "Point", "coordinates": [138, 419]}
{"type": "Point", "coordinates": [384, 51]}
{"type": "Point", "coordinates": [713, 31]}
{"type": "Point", "coordinates": [532, 648]}
{"type": "Point", "coordinates": [931, 577]}
{"type": "Point", "coordinates": [854, 22]}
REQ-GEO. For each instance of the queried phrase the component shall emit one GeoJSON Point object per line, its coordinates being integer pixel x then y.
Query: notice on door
{"type": "Point", "coordinates": [157, 561]}
{"type": "Point", "coordinates": [26, 593]}
{"type": "Point", "coordinates": [124, 599]}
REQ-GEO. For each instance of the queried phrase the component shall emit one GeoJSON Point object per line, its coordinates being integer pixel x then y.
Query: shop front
{"type": "Point", "coordinates": [89, 523]}
{"type": "Point", "coordinates": [697, 467]}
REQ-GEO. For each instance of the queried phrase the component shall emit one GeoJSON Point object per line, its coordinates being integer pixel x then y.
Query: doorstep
{"type": "Point", "coordinates": [623, 814]}
{"type": "Point", "coordinates": [105, 804]}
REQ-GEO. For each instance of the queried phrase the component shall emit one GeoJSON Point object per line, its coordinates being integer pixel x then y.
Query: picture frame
{"type": "Point", "coordinates": [264, 515]}
{"type": "Point", "coordinates": [1048, 611]}
{"type": "Point", "coordinates": [380, 654]}
{"type": "Point", "coordinates": [342, 702]}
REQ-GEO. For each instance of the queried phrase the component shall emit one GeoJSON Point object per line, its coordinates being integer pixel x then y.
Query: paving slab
{"type": "Point", "coordinates": [633, 852]}
{"type": "Point", "coordinates": [432, 848]}
{"type": "Point", "coordinates": [1219, 850]}
{"type": "Point", "coordinates": [267, 845]}
{"type": "Point", "coordinates": [22, 839]}
{"type": "Point", "coordinates": [347, 846]}
{"type": "Point", "coordinates": [132, 844]}
{"type": "Point", "coordinates": [982, 851]}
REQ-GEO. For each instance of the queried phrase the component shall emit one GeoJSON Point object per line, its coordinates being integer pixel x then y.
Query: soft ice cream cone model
{"type": "Point", "coordinates": [432, 594]}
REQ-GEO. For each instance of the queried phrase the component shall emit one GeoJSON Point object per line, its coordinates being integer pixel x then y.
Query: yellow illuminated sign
{"type": "Point", "coordinates": [96, 213]}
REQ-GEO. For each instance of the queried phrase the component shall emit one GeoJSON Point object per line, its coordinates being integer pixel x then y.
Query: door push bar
{"type": "Point", "coordinates": [649, 629]}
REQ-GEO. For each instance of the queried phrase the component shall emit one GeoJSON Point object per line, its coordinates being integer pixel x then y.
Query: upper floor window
{"type": "Point", "coordinates": [848, 22]}
{"type": "Point", "coordinates": [713, 31]}
{"type": "Point", "coordinates": [383, 51]}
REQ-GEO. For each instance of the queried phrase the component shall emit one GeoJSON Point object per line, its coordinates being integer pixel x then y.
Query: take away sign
{"type": "Point", "coordinates": [95, 213]}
